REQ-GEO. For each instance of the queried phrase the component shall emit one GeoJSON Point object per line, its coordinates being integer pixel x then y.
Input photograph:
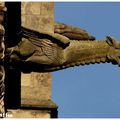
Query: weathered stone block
{"type": "Point", "coordinates": [36, 86]}
{"type": "Point", "coordinates": [38, 22]}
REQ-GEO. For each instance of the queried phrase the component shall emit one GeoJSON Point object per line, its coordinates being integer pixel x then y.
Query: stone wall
{"type": "Point", "coordinates": [38, 16]}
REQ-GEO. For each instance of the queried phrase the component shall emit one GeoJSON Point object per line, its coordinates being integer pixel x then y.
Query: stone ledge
{"type": "Point", "coordinates": [34, 109]}
{"type": "Point", "coordinates": [23, 113]}
{"type": "Point", "coordinates": [32, 103]}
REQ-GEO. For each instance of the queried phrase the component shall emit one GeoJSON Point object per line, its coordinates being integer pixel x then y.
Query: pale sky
{"type": "Point", "coordinates": [94, 90]}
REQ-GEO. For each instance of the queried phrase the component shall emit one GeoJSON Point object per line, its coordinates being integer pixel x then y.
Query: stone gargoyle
{"type": "Point", "coordinates": [67, 47]}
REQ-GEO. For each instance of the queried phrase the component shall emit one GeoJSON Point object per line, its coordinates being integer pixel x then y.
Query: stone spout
{"type": "Point", "coordinates": [50, 52]}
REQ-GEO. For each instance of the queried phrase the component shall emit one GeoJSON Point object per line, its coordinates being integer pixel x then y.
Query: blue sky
{"type": "Point", "coordinates": [94, 90]}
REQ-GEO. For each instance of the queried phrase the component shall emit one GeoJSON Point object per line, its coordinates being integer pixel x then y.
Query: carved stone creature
{"type": "Point", "coordinates": [44, 52]}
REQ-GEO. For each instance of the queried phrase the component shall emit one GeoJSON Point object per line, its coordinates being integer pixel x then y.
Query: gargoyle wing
{"type": "Point", "coordinates": [73, 33]}
{"type": "Point", "coordinates": [38, 47]}
{"type": "Point", "coordinates": [61, 40]}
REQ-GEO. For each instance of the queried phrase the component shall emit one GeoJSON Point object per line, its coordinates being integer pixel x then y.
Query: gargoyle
{"type": "Point", "coordinates": [67, 47]}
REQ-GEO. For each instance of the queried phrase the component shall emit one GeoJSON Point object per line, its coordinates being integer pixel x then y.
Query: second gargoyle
{"type": "Point", "coordinates": [69, 46]}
